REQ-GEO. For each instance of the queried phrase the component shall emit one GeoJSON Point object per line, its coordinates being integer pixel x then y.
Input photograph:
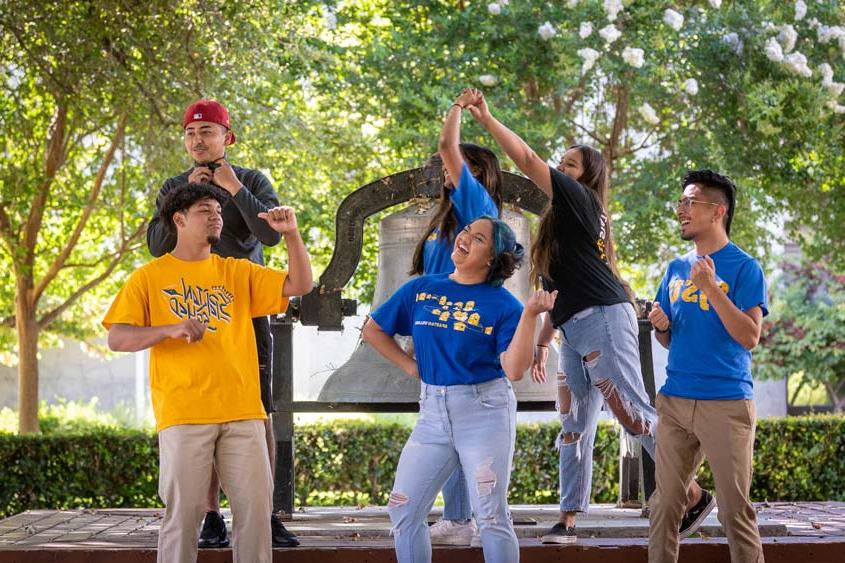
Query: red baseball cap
{"type": "Point", "coordinates": [207, 110]}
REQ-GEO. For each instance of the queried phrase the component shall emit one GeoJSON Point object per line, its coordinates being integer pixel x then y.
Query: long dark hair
{"type": "Point", "coordinates": [486, 163]}
{"type": "Point", "coordinates": [546, 246]}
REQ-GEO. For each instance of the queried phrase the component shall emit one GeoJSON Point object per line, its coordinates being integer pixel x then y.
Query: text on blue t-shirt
{"type": "Point", "coordinates": [705, 362]}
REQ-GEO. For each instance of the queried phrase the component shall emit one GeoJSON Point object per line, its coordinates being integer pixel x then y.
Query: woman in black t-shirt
{"type": "Point", "coordinates": [574, 254]}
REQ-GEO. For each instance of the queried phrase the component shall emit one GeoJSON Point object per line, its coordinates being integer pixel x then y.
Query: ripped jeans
{"type": "Point", "coordinates": [599, 364]}
{"type": "Point", "coordinates": [473, 426]}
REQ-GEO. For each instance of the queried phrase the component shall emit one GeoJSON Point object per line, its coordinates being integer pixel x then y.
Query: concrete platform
{"type": "Point", "coordinates": [812, 532]}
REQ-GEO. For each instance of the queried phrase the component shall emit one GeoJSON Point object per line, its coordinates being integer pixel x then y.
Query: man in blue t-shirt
{"type": "Point", "coordinates": [708, 313]}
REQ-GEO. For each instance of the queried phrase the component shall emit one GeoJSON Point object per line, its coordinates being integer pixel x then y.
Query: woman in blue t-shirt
{"type": "Point", "coordinates": [599, 361]}
{"type": "Point", "coordinates": [471, 338]}
{"type": "Point", "coordinates": [472, 187]}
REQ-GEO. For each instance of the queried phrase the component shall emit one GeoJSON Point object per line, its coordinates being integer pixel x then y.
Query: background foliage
{"type": "Point", "coordinates": [354, 463]}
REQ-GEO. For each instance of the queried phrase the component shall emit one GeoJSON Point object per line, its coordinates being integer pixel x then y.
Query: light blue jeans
{"type": "Point", "coordinates": [599, 362]}
{"type": "Point", "coordinates": [471, 426]}
{"type": "Point", "coordinates": [456, 504]}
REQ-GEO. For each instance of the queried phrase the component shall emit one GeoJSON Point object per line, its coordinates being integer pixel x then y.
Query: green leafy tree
{"type": "Point", "coordinates": [86, 89]}
{"type": "Point", "coordinates": [804, 334]}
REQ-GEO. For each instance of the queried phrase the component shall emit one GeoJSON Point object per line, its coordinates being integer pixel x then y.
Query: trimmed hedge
{"type": "Point", "coordinates": [352, 463]}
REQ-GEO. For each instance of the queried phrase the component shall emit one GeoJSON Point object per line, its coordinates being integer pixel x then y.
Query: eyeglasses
{"type": "Point", "coordinates": [685, 203]}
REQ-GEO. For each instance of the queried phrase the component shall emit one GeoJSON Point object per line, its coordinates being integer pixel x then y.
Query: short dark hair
{"type": "Point", "coordinates": [718, 182]}
{"type": "Point", "coordinates": [184, 196]}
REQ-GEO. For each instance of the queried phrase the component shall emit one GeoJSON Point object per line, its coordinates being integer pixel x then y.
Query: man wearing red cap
{"type": "Point", "coordinates": [207, 133]}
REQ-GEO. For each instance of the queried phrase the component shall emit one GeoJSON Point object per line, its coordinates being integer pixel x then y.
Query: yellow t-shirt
{"type": "Point", "coordinates": [214, 380]}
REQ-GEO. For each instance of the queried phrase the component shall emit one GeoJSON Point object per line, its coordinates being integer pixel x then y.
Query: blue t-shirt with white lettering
{"type": "Point", "coordinates": [470, 201]}
{"type": "Point", "coordinates": [459, 330]}
{"type": "Point", "coordinates": [705, 362]}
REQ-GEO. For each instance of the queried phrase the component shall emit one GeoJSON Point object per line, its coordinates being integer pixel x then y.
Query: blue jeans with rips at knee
{"type": "Point", "coordinates": [473, 426]}
{"type": "Point", "coordinates": [600, 356]}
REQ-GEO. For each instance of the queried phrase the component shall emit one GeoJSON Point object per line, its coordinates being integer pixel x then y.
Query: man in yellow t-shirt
{"type": "Point", "coordinates": [194, 310]}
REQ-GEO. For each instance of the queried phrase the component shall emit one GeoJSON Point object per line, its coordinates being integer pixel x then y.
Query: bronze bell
{"type": "Point", "coordinates": [367, 376]}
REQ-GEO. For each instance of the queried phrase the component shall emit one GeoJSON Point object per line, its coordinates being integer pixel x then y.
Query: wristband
{"type": "Point", "coordinates": [658, 331]}
{"type": "Point", "coordinates": [542, 345]}
{"type": "Point", "coordinates": [457, 104]}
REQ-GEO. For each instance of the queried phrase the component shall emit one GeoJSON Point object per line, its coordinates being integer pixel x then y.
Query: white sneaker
{"type": "Point", "coordinates": [450, 532]}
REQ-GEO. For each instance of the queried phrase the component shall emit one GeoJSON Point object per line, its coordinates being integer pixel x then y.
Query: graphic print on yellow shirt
{"type": "Point", "coordinates": [207, 305]}
{"type": "Point", "coordinates": [214, 380]}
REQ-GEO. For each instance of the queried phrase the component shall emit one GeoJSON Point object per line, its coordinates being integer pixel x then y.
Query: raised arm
{"type": "Point", "coordinates": [300, 278]}
{"type": "Point", "coordinates": [260, 198]}
{"type": "Point", "coordinates": [518, 150]}
{"type": "Point", "coordinates": [520, 353]}
{"type": "Point", "coordinates": [450, 136]}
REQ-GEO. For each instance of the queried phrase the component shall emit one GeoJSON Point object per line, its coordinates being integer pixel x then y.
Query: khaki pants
{"type": "Point", "coordinates": [238, 451]}
{"type": "Point", "coordinates": [722, 431]}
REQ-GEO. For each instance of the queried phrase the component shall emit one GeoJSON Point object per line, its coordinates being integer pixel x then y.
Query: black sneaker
{"type": "Point", "coordinates": [213, 531]}
{"type": "Point", "coordinates": [559, 534]}
{"type": "Point", "coordinates": [281, 536]}
{"type": "Point", "coordinates": [694, 517]}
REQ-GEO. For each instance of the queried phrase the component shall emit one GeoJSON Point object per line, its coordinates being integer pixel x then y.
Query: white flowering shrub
{"type": "Point", "coordinates": [691, 86]}
{"type": "Point", "coordinates": [633, 56]}
{"type": "Point", "coordinates": [609, 33]}
{"type": "Point", "coordinates": [648, 114]}
{"type": "Point", "coordinates": [546, 31]}
{"type": "Point", "coordinates": [673, 19]}
{"type": "Point", "coordinates": [585, 30]}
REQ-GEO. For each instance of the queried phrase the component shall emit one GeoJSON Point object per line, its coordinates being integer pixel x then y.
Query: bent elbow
{"type": "Point", "coordinates": [513, 375]}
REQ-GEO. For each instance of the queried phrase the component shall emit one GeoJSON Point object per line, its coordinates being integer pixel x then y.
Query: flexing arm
{"type": "Point", "coordinates": [131, 338]}
{"type": "Point", "coordinates": [258, 198]}
{"type": "Point", "coordinates": [520, 353]}
{"type": "Point", "coordinates": [282, 220]}
{"type": "Point", "coordinates": [385, 345]}
{"type": "Point", "coordinates": [743, 326]}
{"type": "Point", "coordinates": [518, 150]}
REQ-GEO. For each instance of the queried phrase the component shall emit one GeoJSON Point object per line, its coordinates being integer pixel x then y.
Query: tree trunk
{"type": "Point", "coordinates": [28, 330]}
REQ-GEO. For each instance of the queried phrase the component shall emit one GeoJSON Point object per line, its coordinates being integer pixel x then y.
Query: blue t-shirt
{"type": "Point", "coordinates": [470, 201]}
{"type": "Point", "coordinates": [705, 362]}
{"type": "Point", "coordinates": [459, 330]}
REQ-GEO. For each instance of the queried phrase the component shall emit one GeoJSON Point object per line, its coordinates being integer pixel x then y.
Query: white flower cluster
{"type": "Point", "coordinates": [585, 30]}
{"type": "Point", "coordinates": [589, 56]}
{"type": "Point", "coordinates": [733, 41]}
{"type": "Point", "coordinates": [716, 4]}
{"type": "Point", "coordinates": [609, 33]}
{"type": "Point", "coordinates": [800, 10]}
{"type": "Point", "coordinates": [787, 38]}
{"type": "Point", "coordinates": [546, 31]}
{"type": "Point", "coordinates": [571, 3]}
{"type": "Point", "coordinates": [797, 64]}
{"type": "Point", "coordinates": [773, 50]}
{"type": "Point", "coordinates": [488, 79]}
{"type": "Point", "coordinates": [691, 86]}
{"type": "Point", "coordinates": [633, 56]}
{"type": "Point", "coordinates": [837, 108]}
{"type": "Point", "coordinates": [329, 18]}
{"type": "Point", "coordinates": [835, 88]}
{"type": "Point", "coordinates": [613, 7]}
{"type": "Point", "coordinates": [673, 19]}
{"type": "Point", "coordinates": [495, 8]}
{"type": "Point", "coordinates": [827, 34]}
{"type": "Point", "coordinates": [648, 114]}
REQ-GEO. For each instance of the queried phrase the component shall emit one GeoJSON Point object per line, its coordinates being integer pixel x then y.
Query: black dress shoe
{"type": "Point", "coordinates": [213, 531]}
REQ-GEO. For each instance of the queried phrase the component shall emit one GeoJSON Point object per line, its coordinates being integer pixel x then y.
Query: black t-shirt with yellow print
{"type": "Point", "coordinates": [580, 271]}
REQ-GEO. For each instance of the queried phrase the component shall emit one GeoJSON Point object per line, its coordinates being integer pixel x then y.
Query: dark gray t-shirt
{"type": "Point", "coordinates": [244, 233]}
